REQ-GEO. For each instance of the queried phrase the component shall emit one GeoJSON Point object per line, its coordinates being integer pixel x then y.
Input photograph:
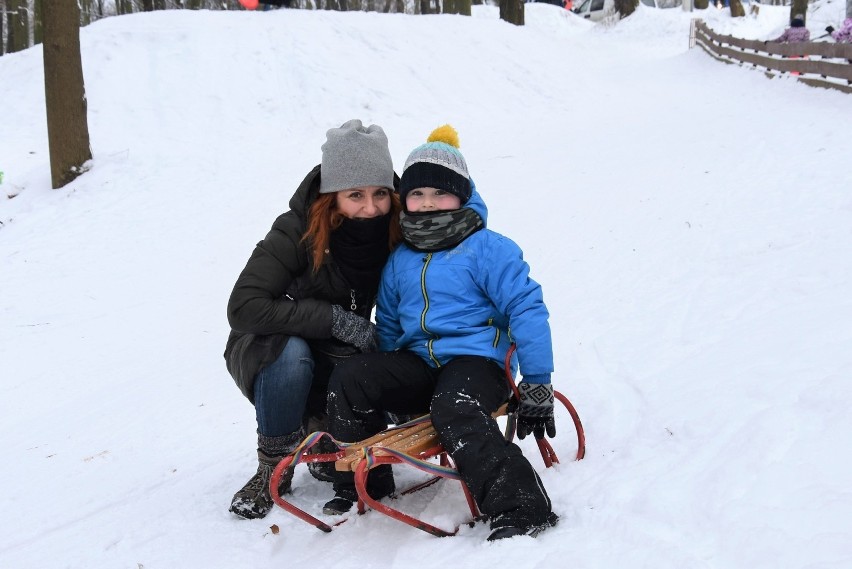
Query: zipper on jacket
{"type": "Point", "coordinates": [496, 333]}
{"type": "Point", "coordinates": [431, 340]}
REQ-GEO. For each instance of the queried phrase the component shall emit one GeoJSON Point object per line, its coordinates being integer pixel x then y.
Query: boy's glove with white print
{"type": "Point", "coordinates": [535, 409]}
{"type": "Point", "coordinates": [353, 329]}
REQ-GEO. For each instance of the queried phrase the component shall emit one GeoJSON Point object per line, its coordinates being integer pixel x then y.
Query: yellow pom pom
{"type": "Point", "coordinates": [446, 134]}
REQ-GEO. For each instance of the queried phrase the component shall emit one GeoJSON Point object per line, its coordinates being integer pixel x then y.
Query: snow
{"type": "Point", "coordinates": [690, 223]}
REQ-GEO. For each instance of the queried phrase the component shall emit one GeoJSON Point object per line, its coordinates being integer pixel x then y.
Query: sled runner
{"type": "Point", "coordinates": [415, 444]}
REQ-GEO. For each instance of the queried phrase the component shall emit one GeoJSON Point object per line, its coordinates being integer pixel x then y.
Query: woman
{"type": "Point", "coordinates": [304, 299]}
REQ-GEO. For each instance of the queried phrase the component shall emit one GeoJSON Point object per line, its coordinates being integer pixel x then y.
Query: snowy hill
{"type": "Point", "coordinates": [689, 222]}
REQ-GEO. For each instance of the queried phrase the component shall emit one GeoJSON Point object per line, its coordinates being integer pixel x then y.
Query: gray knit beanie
{"type": "Point", "coordinates": [354, 157]}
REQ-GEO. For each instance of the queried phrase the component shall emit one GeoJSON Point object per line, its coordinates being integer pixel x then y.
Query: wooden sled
{"type": "Point", "coordinates": [414, 444]}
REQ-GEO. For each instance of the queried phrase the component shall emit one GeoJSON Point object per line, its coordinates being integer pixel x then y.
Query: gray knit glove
{"type": "Point", "coordinates": [535, 411]}
{"type": "Point", "coordinates": [353, 329]}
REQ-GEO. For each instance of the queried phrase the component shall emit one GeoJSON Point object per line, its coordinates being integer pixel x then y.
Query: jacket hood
{"type": "Point", "coordinates": [477, 204]}
{"type": "Point", "coordinates": [306, 193]}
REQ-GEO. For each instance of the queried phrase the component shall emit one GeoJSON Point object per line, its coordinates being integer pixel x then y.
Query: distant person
{"type": "Point", "coordinates": [796, 33]}
{"type": "Point", "coordinates": [304, 299]}
{"type": "Point", "coordinates": [453, 298]}
{"type": "Point", "coordinates": [265, 4]}
{"type": "Point", "coordinates": [844, 34]}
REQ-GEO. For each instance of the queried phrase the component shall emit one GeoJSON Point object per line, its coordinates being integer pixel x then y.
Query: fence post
{"type": "Point", "coordinates": [692, 24]}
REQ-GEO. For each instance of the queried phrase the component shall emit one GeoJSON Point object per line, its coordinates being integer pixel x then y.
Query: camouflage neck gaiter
{"type": "Point", "coordinates": [436, 231]}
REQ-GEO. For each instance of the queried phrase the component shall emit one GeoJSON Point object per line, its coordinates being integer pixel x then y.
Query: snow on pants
{"type": "Point", "coordinates": [461, 397]}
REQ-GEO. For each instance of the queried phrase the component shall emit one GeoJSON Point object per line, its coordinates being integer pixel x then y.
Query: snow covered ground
{"type": "Point", "coordinates": [690, 222]}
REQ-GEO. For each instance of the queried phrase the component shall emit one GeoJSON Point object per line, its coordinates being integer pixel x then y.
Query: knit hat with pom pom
{"type": "Point", "coordinates": [437, 164]}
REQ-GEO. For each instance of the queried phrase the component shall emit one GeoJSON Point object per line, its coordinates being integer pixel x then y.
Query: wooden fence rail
{"type": "Point", "coordinates": [819, 64]}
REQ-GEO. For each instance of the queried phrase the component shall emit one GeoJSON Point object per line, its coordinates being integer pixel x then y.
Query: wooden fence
{"type": "Point", "coordinates": [819, 64]}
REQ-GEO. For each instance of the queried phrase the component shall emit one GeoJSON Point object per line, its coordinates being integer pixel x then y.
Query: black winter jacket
{"type": "Point", "coordinates": [278, 295]}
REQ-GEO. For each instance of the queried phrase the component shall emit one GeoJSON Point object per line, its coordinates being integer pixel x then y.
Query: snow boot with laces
{"type": "Point", "coordinates": [253, 500]}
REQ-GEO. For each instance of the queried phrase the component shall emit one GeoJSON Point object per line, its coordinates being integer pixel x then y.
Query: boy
{"type": "Point", "coordinates": [453, 298]}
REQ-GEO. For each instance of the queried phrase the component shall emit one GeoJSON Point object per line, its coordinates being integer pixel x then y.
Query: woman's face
{"type": "Point", "coordinates": [364, 203]}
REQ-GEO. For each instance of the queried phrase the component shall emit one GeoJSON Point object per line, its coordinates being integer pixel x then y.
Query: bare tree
{"type": "Point", "coordinates": [799, 7]}
{"type": "Point", "coordinates": [124, 6]}
{"type": "Point", "coordinates": [512, 11]}
{"type": "Point", "coordinates": [17, 25]}
{"type": "Point", "coordinates": [38, 21]}
{"type": "Point", "coordinates": [64, 93]}
{"type": "Point", "coordinates": [457, 7]}
{"type": "Point", "coordinates": [429, 7]}
{"type": "Point", "coordinates": [737, 10]}
{"type": "Point", "coordinates": [627, 7]}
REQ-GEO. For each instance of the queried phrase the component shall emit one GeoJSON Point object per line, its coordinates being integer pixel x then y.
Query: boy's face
{"type": "Point", "coordinates": [431, 199]}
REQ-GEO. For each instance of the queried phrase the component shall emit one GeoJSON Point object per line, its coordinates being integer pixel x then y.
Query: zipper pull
{"type": "Point", "coordinates": [354, 306]}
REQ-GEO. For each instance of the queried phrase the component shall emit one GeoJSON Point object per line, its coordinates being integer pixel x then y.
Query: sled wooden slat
{"type": "Point", "coordinates": [411, 440]}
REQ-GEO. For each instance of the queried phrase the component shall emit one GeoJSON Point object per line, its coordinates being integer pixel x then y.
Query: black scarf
{"type": "Point", "coordinates": [436, 231]}
{"type": "Point", "coordinates": [360, 248]}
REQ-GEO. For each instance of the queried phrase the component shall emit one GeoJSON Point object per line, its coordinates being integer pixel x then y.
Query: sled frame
{"type": "Point", "coordinates": [415, 444]}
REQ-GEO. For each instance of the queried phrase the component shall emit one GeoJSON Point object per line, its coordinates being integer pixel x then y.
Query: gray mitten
{"type": "Point", "coordinates": [535, 411]}
{"type": "Point", "coordinates": [353, 329]}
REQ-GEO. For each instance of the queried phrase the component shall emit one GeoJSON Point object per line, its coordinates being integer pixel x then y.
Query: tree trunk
{"type": "Point", "coordinates": [38, 22]}
{"type": "Point", "coordinates": [701, 4]}
{"type": "Point", "coordinates": [457, 7]}
{"type": "Point", "coordinates": [85, 12]}
{"type": "Point", "coordinates": [64, 93]}
{"type": "Point", "coordinates": [147, 5]}
{"type": "Point", "coordinates": [849, 8]}
{"type": "Point", "coordinates": [512, 11]}
{"type": "Point", "coordinates": [737, 10]}
{"type": "Point", "coordinates": [626, 7]}
{"type": "Point", "coordinates": [799, 7]}
{"type": "Point", "coordinates": [124, 6]}
{"type": "Point", "coordinates": [425, 7]}
{"type": "Point", "coordinates": [18, 27]}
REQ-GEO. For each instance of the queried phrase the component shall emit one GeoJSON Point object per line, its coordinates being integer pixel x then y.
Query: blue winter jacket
{"type": "Point", "coordinates": [473, 299]}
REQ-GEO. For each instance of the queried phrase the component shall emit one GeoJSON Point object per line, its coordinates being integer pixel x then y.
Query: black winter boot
{"type": "Point", "coordinates": [323, 471]}
{"type": "Point", "coordinates": [253, 500]}
{"type": "Point", "coordinates": [507, 532]}
{"type": "Point", "coordinates": [380, 485]}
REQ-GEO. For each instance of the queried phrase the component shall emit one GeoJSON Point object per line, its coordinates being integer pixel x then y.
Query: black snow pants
{"type": "Point", "coordinates": [461, 396]}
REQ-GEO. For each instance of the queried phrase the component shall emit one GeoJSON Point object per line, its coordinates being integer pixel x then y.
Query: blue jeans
{"type": "Point", "coordinates": [281, 390]}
